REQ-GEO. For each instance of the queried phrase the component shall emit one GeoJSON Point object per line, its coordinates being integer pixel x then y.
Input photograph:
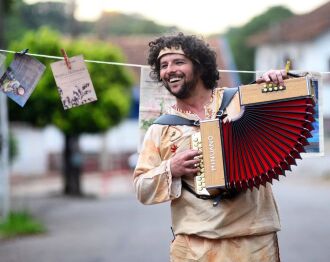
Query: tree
{"type": "Point", "coordinates": [112, 86]}
{"type": "Point", "coordinates": [243, 54]}
{"type": "Point", "coordinates": [5, 7]}
{"type": "Point", "coordinates": [59, 16]}
{"type": "Point", "coordinates": [114, 23]}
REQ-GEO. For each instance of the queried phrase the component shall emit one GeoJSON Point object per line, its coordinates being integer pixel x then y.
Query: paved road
{"type": "Point", "coordinates": [116, 228]}
{"type": "Point", "coordinates": [93, 230]}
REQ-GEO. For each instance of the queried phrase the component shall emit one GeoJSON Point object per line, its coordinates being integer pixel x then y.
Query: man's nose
{"type": "Point", "coordinates": [171, 68]}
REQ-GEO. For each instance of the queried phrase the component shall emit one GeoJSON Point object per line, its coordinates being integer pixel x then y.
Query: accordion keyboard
{"type": "Point", "coordinates": [200, 186]}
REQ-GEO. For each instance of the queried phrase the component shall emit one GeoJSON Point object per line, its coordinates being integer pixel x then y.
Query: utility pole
{"type": "Point", "coordinates": [4, 144]}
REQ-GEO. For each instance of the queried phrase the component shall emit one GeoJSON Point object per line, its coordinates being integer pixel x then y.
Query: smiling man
{"type": "Point", "coordinates": [242, 228]}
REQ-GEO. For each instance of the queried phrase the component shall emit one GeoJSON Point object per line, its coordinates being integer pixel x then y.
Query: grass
{"type": "Point", "coordinates": [20, 224]}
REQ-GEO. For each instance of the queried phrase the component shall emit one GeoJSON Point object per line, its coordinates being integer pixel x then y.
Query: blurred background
{"type": "Point", "coordinates": [72, 169]}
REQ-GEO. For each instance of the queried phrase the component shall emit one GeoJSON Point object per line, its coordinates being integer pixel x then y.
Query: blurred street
{"type": "Point", "coordinates": [110, 225]}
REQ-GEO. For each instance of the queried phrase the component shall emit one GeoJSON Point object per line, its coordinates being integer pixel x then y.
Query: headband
{"type": "Point", "coordinates": [171, 50]}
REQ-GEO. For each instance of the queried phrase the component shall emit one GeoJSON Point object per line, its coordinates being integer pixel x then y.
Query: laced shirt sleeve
{"type": "Point", "coordinates": [153, 181]}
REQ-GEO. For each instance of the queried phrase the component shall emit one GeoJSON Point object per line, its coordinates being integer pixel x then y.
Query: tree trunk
{"type": "Point", "coordinates": [72, 166]}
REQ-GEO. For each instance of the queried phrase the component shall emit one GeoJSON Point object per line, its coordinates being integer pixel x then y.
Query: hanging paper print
{"type": "Point", "coordinates": [73, 82]}
{"type": "Point", "coordinates": [21, 77]}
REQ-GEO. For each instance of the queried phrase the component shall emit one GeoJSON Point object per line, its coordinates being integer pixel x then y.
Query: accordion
{"type": "Point", "coordinates": [269, 133]}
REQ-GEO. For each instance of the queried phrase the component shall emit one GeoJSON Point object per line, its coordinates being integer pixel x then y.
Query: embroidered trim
{"type": "Point", "coordinates": [209, 113]}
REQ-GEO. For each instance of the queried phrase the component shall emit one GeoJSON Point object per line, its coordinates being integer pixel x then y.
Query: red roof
{"type": "Point", "coordinates": [296, 29]}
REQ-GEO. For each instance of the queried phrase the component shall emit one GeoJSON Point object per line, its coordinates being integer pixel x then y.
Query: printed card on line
{"type": "Point", "coordinates": [21, 77]}
{"type": "Point", "coordinates": [74, 85]}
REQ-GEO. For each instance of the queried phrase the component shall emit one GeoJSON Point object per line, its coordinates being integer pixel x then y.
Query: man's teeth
{"type": "Point", "coordinates": [174, 79]}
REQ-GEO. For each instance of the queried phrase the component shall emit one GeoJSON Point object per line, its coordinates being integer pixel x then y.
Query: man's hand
{"type": "Point", "coordinates": [274, 76]}
{"type": "Point", "coordinates": [185, 163]}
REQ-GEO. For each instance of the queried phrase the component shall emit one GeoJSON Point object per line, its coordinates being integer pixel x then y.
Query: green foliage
{"type": "Point", "coordinates": [24, 17]}
{"type": "Point", "coordinates": [243, 54]}
{"type": "Point", "coordinates": [7, 5]}
{"type": "Point", "coordinates": [55, 15]}
{"type": "Point", "coordinates": [111, 83]}
{"type": "Point", "coordinates": [114, 23]}
{"type": "Point", "coordinates": [52, 14]}
{"type": "Point", "coordinates": [20, 223]}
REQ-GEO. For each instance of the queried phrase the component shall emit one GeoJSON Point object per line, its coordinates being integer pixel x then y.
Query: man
{"type": "Point", "coordinates": [242, 228]}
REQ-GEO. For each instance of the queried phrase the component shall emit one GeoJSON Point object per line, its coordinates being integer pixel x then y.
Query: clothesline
{"type": "Point", "coordinates": [137, 65]}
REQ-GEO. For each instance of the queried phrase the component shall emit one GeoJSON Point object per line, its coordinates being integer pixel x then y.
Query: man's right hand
{"type": "Point", "coordinates": [185, 163]}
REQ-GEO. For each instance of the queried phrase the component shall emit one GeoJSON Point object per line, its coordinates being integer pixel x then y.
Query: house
{"type": "Point", "coordinates": [305, 41]}
{"type": "Point", "coordinates": [110, 151]}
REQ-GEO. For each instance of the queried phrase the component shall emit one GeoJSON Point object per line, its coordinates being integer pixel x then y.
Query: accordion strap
{"type": "Point", "coordinates": [228, 95]}
{"type": "Point", "coordinates": [174, 120]}
{"type": "Point", "coordinates": [216, 198]}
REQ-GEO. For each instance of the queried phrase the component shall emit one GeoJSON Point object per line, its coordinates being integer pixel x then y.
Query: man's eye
{"type": "Point", "coordinates": [163, 66]}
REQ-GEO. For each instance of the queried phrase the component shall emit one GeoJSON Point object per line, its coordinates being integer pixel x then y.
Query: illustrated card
{"type": "Point", "coordinates": [21, 77]}
{"type": "Point", "coordinates": [74, 85]}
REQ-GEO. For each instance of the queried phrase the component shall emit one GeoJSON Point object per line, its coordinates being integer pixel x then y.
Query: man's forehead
{"type": "Point", "coordinates": [171, 57]}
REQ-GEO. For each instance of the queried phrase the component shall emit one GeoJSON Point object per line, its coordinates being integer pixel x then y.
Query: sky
{"type": "Point", "coordinates": [200, 17]}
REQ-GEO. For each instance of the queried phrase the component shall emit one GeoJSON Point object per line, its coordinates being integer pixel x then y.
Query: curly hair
{"type": "Point", "coordinates": [202, 56]}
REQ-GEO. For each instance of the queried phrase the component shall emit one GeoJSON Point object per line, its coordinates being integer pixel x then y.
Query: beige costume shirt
{"type": "Point", "coordinates": [252, 213]}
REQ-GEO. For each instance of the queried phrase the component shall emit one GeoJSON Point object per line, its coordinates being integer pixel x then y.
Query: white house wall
{"type": "Point", "coordinates": [34, 145]}
{"type": "Point", "coordinates": [313, 55]}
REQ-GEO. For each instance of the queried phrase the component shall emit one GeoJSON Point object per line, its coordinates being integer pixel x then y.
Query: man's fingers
{"type": "Point", "coordinates": [192, 163]}
{"type": "Point", "coordinates": [266, 78]}
{"type": "Point", "coordinates": [190, 154]}
{"type": "Point", "coordinates": [275, 76]}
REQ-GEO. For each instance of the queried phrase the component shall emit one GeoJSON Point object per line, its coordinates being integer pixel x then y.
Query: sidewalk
{"type": "Point", "coordinates": [97, 184]}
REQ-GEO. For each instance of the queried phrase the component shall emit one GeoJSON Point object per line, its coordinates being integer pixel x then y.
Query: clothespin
{"type": "Point", "coordinates": [66, 59]}
{"type": "Point", "coordinates": [23, 52]}
{"type": "Point", "coordinates": [288, 66]}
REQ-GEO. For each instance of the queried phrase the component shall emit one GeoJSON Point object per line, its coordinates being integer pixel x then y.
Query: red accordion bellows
{"type": "Point", "coordinates": [265, 141]}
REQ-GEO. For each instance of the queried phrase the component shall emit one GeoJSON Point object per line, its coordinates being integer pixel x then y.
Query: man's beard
{"type": "Point", "coordinates": [185, 90]}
